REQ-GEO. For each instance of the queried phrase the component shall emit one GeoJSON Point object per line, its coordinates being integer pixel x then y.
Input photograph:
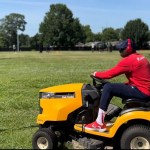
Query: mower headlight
{"type": "Point", "coordinates": [46, 95]}
{"type": "Point", "coordinates": [57, 95]}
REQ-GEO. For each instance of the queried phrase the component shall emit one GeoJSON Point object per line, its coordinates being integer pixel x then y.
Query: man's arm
{"type": "Point", "coordinates": [121, 68]}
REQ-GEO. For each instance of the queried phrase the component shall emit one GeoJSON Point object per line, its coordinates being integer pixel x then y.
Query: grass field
{"type": "Point", "coordinates": [23, 74]}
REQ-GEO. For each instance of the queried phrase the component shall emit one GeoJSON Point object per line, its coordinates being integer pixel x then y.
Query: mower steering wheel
{"type": "Point", "coordinates": [100, 80]}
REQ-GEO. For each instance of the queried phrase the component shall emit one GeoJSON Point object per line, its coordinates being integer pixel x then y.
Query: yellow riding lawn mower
{"type": "Point", "coordinates": [65, 109]}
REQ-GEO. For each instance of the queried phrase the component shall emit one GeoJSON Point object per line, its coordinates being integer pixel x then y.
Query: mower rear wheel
{"type": "Point", "coordinates": [136, 137]}
{"type": "Point", "coordinates": [44, 139]}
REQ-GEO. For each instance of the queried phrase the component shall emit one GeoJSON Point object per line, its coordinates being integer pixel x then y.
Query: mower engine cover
{"type": "Point", "coordinates": [57, 102]}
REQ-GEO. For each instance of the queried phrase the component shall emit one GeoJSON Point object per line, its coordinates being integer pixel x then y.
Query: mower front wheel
{"type": "Point", "coordinates": [44, 139]}
{"type": "Point", "coordinates": [136, 137]}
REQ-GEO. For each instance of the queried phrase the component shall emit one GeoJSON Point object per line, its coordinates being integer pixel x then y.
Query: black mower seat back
{"type": "Point", "coordinates": [137, 102]}
{"type": "Point", "coordinates": [134, 104]}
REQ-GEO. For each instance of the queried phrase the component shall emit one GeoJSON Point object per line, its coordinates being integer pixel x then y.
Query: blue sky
{"type": "Point", "coordinates": [98, 14]}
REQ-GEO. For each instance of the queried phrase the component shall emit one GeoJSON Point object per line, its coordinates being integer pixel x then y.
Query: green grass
{"type": "Point", "coordinates": [23, 74]}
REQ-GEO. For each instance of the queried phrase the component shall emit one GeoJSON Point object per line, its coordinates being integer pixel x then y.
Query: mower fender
{"type": "Point", "coordinates": [143, 115]}
{"type": "Point", "coordinates": [123, 119]}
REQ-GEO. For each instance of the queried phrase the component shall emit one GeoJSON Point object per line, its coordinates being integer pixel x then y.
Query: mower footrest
{"type": "Point", "coordinates": [90, 143]}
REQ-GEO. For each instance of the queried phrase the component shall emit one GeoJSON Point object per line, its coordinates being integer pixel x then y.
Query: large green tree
{"type": "Point", "coordinates": [149, 35]}
{"type": "Point", "coordinates": [59, 28]}
{"type": "Point", "coordinates": [97, 36]}
{"type": "Point", "coordinates": [137, 30]}
{"type": "Point", "coordinates": [109, 34]}
{"type": "Point", "coordinates": [36, 42]}
{"type": "Point", "coordinates": [24, 41]}
{"type": "Point", "coordinates": [1, 41]}
{"type": "Point", "coordinates": [119, 32]}
{"type": "Point", "coordinates": [88, 32]}
{"type": "Point", "coordinates": [9, 27]}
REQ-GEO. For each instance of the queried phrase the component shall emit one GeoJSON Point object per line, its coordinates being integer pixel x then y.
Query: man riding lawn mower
{"type": "Point", "coordinates": [69, 112]}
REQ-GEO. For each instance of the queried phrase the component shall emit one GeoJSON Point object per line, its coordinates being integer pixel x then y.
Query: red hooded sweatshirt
{"type": "Point", "coordinates": [136, 68]}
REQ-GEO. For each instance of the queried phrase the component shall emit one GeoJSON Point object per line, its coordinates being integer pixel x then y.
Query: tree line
{"type": "Point", "coordinates": [61, 30]}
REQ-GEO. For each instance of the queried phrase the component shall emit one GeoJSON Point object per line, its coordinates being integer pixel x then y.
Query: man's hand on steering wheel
{"type": "Point", "coordinates": [93, 74]}
{"type": "Point", "coordinates": [100, 80]}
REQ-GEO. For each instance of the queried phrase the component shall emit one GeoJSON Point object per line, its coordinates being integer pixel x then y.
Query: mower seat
{"type": "Point", "coordinates": [136, 102]}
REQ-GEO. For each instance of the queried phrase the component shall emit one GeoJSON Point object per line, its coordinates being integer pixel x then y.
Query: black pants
{"type": "Point", "coordinates": [119, 90]}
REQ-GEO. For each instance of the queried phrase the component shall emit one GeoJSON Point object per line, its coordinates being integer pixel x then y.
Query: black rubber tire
{"type": "Point", "coordinates": [45, 136]}
{"type": "Point", "coordinates": [135, 137]}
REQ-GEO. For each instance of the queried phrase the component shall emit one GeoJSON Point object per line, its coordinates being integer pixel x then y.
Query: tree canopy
{"type": "Point", "coordinates": [109, 34]}
{"type": "Point", "coordinates": [137, 30]}
{"type": "Point", "coordinates": [60, 28]}
{"type": "Point", "coordinates": [9, 26]}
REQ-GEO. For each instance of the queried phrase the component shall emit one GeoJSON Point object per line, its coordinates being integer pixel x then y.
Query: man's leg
{"type": "Point", "coordinates": [119, 90]}
{"type": "Point", "coordinates": [110, 90]}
